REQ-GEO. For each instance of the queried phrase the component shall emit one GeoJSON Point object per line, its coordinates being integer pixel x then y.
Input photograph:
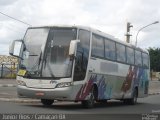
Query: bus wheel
{"type": "Point", "coordinates": [90, 102]}
{"type": "Point", "coordinates": [133, 100]}
{"type": "Point", "coordinates": [102, 101]}
{"type": "Point", "coordinates": [47, 102]}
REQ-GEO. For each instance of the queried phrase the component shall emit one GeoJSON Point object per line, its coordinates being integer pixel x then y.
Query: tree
{"type": "Point", "coordinates": [154, 59]}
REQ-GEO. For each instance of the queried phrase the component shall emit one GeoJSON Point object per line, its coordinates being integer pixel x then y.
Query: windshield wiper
{"type": "Point", "coordinates": [38, 60]}
{"type": "Point", "coordinates": [33, 55]}
{"type": "Point", "coordinates": [36, 64]}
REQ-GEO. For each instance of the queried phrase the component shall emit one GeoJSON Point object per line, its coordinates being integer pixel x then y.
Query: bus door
{"type": "Point", "coordinates": [82, 54]}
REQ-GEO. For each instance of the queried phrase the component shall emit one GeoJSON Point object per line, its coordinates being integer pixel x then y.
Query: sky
{"type": "Point", "coordinates": [109, 16]}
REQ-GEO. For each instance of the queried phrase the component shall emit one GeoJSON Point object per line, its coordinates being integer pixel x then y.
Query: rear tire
{"type": "Point", "coordinates": [133, 100]}
{"type": "Point", "coordinates": [102, 101]}
{"type": "Point", "coordinates": [47, 102]}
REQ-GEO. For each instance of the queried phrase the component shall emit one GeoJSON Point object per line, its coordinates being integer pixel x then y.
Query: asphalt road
{"type": "Point", "coordinates": [74, 111]}
{"type": "Point", "coordinates": [8, 92]}
{"type": "Point", "coordinates": [112, 109]}
{"type": "Point", "coordinates": [150, 104]}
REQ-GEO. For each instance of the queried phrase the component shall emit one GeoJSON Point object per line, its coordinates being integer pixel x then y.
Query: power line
{"type": "Point", "coordinates": [14, 30]}
{"type": "Point", "coordinates": [17, 27]}
{"type": "Point", "coordinates": [15, 19]}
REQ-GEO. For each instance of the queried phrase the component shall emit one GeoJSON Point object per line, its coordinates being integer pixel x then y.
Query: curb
{"type": "Point", "coordinates": [8, 85]}
{"type": "Point", "coordinates": [18, 100]}
{"type": "Point", "coordinates": [157, 93]}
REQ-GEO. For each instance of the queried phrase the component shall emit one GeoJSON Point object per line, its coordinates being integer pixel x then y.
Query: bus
{"type": "Point", "coordinates": [79, 64]}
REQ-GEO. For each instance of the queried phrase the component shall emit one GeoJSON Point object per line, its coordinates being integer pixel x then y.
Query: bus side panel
{"type": "Point", "coordinates": [136, 77]}
{"type": "Point", "coordinates": [108, 87]}
{"type": "Point", "coordinates": [142, 81]}
{"type": "Point", "coordinates": [115, 85]}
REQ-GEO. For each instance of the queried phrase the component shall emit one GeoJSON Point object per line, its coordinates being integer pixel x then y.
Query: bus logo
{"type": "Point", "coordinates": [53, 82]}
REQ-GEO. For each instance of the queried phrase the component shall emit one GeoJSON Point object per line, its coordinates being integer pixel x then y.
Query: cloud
{"type": "Point", "coordinates": [4, 49]}
{"type": "Point", "coordinates": [5, 3]}
{"type": "Point", "coordinates": [109, 16]}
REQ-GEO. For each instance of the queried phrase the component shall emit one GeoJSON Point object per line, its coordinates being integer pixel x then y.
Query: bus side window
{"type": "Point", "coordinates": [121, 54]}
{"type": "Point", "coordinates": [145, 58]}
{"type": "Point", "coordinates": [130, 55]}
{"type": "Point", "coordinates": [97, 46]}
{"type": "Point", "coordinates": [138, 58]}
{"type": "Point", "coordinates": [110, 52]}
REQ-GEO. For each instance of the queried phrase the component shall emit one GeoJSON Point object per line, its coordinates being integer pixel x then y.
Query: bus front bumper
{"type": "Point", "coordinates": [38, 93]}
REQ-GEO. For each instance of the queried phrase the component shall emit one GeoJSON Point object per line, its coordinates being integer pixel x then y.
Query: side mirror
{"type": "Point", "coordinates": [15, 48]}
{"type": "Point", "coordinates": [73, 47]}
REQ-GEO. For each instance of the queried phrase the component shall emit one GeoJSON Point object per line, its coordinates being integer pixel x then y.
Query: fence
{"type": "Point", "coordinates": [8, 70]}
{"type": "Point", "coordinates": [8, 66]}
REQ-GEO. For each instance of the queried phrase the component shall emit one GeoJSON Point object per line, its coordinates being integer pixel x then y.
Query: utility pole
{"type": "Point", "coordinates": [128, 32]}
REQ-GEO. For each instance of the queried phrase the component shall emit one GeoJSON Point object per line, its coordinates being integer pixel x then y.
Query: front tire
{"type": "Point", "coordinates": [90, 102]}
{"type": "Point", "coordinates": [47, 102]}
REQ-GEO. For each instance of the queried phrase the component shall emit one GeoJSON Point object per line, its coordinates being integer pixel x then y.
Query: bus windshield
{"type": "Point", "coordinates": [34, 42]}
{"type": "Point", "coordinates": [57, 62]}
{"type": "Point", "coordinates": [45, 52]}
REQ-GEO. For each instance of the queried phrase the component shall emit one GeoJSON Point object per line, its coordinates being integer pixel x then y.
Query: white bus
{"type": "Point", "coordinates": [75, 63]}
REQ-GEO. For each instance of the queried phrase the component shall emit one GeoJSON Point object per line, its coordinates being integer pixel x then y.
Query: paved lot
{"type": "Point", "coordinates": [7, 82]}
{"type": "Point", "coordinates": [154, 87]}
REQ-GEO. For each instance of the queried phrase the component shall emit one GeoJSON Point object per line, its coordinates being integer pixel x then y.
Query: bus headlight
{"type": "Point", "coordinates": [63, 84]}
{"type": "Point", "coordinates": [20, 82]}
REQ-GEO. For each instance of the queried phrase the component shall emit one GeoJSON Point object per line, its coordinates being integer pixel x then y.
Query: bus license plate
{"type": "Point", "coordinates": [39, 94]}
{"type": "Point", "coordinates": [22, 72]}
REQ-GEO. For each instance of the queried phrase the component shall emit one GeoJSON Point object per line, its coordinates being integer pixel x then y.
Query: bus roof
{"type": "Point", "coordinates": [96, 32]}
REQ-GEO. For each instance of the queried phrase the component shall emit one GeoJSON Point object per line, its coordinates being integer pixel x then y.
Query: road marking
{"type": "Point", "coordinates": [4, 94]}
{"type": "Point", "coordinates": [8, 85]}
